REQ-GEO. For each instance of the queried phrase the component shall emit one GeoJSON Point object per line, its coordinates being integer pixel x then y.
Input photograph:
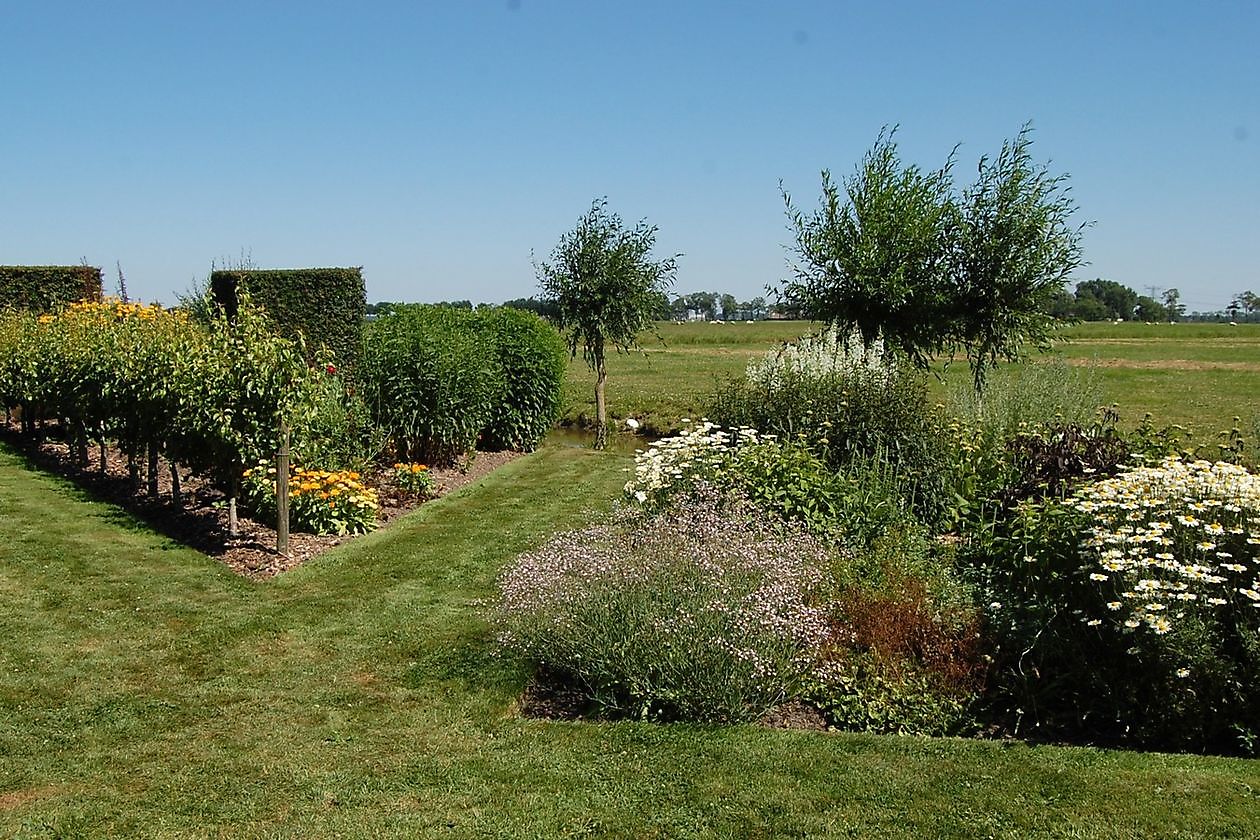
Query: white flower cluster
{"type": "Point", "coordinates": [829, 353]}
{"type": "Point", "coordinates": [1173, 538]}
{"type": "Point", "coordinates": [701, 451]}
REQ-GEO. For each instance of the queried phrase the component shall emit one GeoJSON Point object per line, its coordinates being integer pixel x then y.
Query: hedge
{"type": "Point", "coordinates": [325, 305]}
{"type": "Point", "coordinates": [44, 288]}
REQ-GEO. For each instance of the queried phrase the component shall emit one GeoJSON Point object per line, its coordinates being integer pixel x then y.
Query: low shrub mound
{"type": "Point", "coordinates": [709, 612]}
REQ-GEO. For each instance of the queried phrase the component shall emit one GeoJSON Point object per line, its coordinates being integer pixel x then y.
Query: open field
{"type": "Point", "coordinates": [1197, 375]}
{"type": "Point", "coordinates": [145, 690]}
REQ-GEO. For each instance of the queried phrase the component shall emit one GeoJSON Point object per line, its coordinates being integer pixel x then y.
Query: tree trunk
{"type": "Point", "coordinates": [104, 464]}
{"type": "Point", "coordinates": [175, 488]}
{"type": "Point", "coordinates": [601, 409]}
{"type": "Point", "coordinates": [153, 470]}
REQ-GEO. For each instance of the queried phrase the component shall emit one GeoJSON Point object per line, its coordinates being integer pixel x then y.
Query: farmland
{"type": "Point", "coordinates": [1197, 375]}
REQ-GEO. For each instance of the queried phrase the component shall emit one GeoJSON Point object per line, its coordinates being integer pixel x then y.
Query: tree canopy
{"type": "Point", "coordinates": [901, 253]}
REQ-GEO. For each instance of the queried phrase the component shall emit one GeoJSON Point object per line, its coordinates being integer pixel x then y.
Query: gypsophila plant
{"type": "Point", "coordinates": [708, 612]}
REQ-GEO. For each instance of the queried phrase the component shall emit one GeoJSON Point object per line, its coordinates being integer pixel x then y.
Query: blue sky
{"type": "Point", "coordinates": [438, 144]}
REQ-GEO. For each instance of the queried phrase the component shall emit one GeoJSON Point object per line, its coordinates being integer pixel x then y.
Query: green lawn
{"type": "Point", "coordinates": [145, 690]}
{"type": "Point", "coordinates": [1198, 375]}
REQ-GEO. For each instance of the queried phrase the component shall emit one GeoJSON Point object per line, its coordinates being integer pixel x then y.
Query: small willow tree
{"type": "Point", "coordinates": [901, 253]}
{"type": "Point", "coordinates": [607, 290]}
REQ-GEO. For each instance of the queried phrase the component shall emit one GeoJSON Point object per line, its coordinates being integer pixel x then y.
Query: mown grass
{"type": "Point", "coordinates": [1196, 375]}
{"type": "Point", "coordinates": [147, 691]}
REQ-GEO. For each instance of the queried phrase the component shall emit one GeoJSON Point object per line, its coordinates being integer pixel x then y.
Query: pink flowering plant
{"type": "Point", "coordinates": [708, 612]}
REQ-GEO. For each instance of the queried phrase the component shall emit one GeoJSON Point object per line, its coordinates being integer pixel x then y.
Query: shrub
{"type": "Point", "coordinates": [335, 431]}
{"type": "Point", "coordinates": [707, 612]}
{"type": "Point", "coordinates": [785, 479]}
{"type": "Point", "coordinates": [1111, 619]}
{"type": "Point", "coordinates": [1174, 550]}
{"type": "Point", "coordinates": [325, 306]}
{"type": "Point", "coordinates": [905, 654]}
{"type": "Point", "coordinates": [430, 381]}
{"type": "Point", "coordinates": [533, 356]}
{"type": "Point", "coordinates": [47, 288]}
{"type": "Point", "coordinates": [845, 402]}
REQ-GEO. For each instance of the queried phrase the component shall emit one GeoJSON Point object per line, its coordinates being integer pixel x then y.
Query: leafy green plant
{"type": "Point", "coordinates": [413, 479]}
{"type": "Point", "coordinates": [532, 356]}
{"type": "Point", "coordinates": [335, 431]}
{"type": "Point", "coordinates": [430, 380]}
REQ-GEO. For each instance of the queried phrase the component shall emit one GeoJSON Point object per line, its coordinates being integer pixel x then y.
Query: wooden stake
{"type": "Point", "coordinates": [282, 492]}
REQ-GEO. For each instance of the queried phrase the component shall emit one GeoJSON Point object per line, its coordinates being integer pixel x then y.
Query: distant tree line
{"type": "Point", "coordinates": [1107, 300]}
{"type": "Point", "coordinates": [707, 306]}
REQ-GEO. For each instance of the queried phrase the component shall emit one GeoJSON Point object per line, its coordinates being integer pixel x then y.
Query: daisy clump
{"type": "Point", "coordinates": [1175, 543]}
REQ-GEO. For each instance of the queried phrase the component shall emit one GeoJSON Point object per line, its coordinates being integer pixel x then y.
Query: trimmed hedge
{"type": "Point", "coordinates": [326, 306]}
{"type": "Point", "coordinates": [43, 288]}
{"type": "Point", "coordinates": [533, 357]}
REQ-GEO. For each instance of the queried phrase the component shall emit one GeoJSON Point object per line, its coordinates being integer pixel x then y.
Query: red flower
{"type": "Point", "coordinates": [331, 368]}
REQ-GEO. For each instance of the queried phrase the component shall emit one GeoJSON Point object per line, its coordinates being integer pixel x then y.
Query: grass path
{"type": "Point", "coordinates": [147, 691]}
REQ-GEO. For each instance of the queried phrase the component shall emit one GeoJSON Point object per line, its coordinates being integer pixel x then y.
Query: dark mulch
{"type": "Point", "coordinates": [199, 518]}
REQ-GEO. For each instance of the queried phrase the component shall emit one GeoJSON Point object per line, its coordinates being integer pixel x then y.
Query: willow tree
{"type": "Point", "coordinates": [607, 289]}
{"type": "Point", "coordinates": [901, 253]}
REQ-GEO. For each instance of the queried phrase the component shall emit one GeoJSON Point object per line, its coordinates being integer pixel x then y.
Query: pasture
{"type": "Point", "coordinates": [146, 690]}
{"type": "Point", "coordinates": [1197, 375]}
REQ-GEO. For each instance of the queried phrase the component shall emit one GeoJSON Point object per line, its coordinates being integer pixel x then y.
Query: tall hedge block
{"type": "Point", "coordinates": [326, 306]}
{"type": "Point", "coordinates": [43, 288]}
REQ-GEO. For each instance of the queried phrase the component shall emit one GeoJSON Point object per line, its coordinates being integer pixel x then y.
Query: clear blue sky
{"type": "Point", "coordinates": [437, 144]}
